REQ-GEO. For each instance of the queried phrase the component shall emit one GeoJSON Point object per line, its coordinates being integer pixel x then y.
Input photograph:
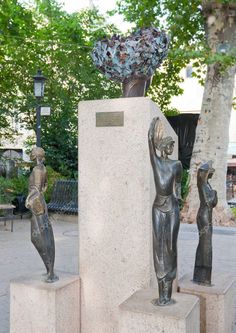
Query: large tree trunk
{"type": "Point", "coordinates": [212, 134]}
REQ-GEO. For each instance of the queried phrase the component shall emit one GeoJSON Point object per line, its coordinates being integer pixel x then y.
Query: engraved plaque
{"type": "Point", "coordinates": [108, 119]}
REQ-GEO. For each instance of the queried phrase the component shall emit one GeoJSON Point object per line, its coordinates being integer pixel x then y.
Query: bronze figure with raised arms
{"type": "Point", "coordinates": [165, 210]}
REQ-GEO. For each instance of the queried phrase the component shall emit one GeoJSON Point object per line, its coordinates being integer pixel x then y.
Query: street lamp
{"type": "Point", "coordinates": [39, 83]}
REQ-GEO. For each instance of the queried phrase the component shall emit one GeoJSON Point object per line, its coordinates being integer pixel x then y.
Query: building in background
{"type": "Point", "coordinates": [191, 101]}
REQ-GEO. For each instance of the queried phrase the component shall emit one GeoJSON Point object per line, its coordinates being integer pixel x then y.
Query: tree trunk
{"type": "Point", "coordinates": [212, 133]}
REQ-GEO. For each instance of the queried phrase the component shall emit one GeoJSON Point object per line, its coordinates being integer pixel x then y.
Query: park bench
{"type": "Point", "coordinates": [64, 197]}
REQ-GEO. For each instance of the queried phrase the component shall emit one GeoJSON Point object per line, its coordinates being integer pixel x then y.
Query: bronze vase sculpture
{"type": "Point", "coordinates": [165, 210]}
{"type": "Point", "coordinates": [208, 200]}
{"type": "Point", "coordinates": [41, 229]}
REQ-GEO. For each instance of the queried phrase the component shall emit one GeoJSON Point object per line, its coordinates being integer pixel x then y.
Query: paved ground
{"type": "Point", "coordinates": [18, 256]}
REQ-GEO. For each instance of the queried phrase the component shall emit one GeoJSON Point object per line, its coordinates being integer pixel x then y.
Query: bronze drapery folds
{"type": "Point", "coordinates": [41, 229]}
{"type": "Point", "coordinates": [208, 200]}
{"type": "Point", "coordinates": [165, 210]}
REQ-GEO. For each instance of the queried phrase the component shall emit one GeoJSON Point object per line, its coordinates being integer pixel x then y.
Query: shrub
{"type": "Point", "coordinates": [11, 187]}
{"type": "Point", "coordinates": [234, 211]}
{"type": "Point", "coordinates": [52, 177]}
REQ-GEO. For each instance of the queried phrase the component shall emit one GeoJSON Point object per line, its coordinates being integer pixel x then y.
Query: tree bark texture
{"type": "Point", "coordinates": [212, 133]}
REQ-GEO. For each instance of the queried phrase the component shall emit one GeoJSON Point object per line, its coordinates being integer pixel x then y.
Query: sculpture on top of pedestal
{"type": "Point", "coordinates": [208, 200]}
{"type": "Point", "coordinates": [131, 60]}
{"type": "Point", "coordinates": [41, 229]}
{"type": "Point", "coordinates": [165, 210]}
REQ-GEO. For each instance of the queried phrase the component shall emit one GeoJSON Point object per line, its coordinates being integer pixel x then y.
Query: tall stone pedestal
{"type": "Point", "coordinates": [116, 193]}
{"type": "Point", "coordinates": [139, 315]}
{"type": "Point", "coordinates": [216, 302]}
{"type": "Point", "coordinates": [39, 307]}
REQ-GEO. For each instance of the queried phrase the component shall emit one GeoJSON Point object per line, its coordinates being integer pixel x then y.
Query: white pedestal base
{"type": "Point", "coordinates": [139, 315]}
{"type": "Point", "coordinates": [116, 193]}
{"type": "Point", "coordinates": [216, 302]}
{"type": "Point", "coordinates": [39, 307]}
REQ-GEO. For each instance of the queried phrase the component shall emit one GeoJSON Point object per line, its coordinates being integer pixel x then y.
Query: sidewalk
{"type": "Point", "coordinates": [19, 257]}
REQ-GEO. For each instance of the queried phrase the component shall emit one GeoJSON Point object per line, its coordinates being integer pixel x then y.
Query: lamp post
{"type": "Point", "coordinates": [39, 83]}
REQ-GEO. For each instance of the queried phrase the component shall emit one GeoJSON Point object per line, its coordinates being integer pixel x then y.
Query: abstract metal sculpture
{"type": "Point", "coordinates": [165, 210]}
{"type": "Point", "coordinates": [208, 200]}
{"type": "Point", "coordinates": [41, 228]}
{"type": "Point", "coordinates": [131, 60]}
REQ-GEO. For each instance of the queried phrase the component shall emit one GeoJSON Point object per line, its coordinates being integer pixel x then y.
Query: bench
{"type": "Point", "coordinates": [7, 210]}
{"type": "Point", "coordinates": [64, 197]}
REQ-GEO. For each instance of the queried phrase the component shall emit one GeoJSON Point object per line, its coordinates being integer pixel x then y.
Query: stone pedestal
{"type": "Point", "coordinates": [39, 307]}
{"type": "Point", "coordinates": [116, 193]}
{"type": "Point", "coordinates": [139, 315]}
{"type": "Point", "coordinates": [216, 302]}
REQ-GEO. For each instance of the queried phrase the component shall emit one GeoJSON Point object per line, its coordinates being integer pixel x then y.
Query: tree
{"type": "Point", "coordinates": [212, 136]}
{"type": "Point", "coordinates": [13, 21]}
{"type": "Point", "coordinates": [189, 22]}
{"type": "Point", "coordinates": [60, 44]}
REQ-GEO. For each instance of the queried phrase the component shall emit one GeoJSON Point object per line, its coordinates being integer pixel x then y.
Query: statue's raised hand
{"type": "Point", "coordinates": [152, 128]}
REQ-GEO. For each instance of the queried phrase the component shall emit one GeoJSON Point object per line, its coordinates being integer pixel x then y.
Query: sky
{"type": "Point", "coordinates": [75, 5]}
{"type": "Point", "coordinates": [103, 5]}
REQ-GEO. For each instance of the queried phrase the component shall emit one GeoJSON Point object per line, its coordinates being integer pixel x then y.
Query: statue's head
{"type": "Point", "coordinates": [165, 145]}
{"type": "Point", "coordinates": [37, 153]}
{"type": "Point", "coordinates": [207, 169]}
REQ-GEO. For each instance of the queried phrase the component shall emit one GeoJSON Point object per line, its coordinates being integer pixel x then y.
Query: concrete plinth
{"type": "Point", "coordinates": [139, 315]}
{"type": "Point", "coordinates": [39, 307]}
{"type": "Point", "coordinates": [116, 193]}
{"type": "Point", "coordinates": [216, 302]}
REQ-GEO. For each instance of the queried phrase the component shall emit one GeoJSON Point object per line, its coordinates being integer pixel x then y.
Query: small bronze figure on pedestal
{"type": "Point", "coordinates": [41, 228]}
{"type": "Point", "coordinates": [165, 210]}
{"type": "Point", "coordinates": [208, 200]}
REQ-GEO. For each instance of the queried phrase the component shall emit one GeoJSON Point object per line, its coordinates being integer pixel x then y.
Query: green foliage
{"type": "Point", "coordinates": [52, 177]}
{"type": "Point", "coordinates": [185, 184]}
{"type": "Point", "coordinates": [10, 187]}
{"type": "Point", "coordinates": [234, 103]}
{"type": "Point", "coordinates": [184, 21]}
{"type": "Point", "coordinates": [44, 36]}
{"type": "Point", "coordinates": [234, 211]}
{"type": "Point", "coordinates": [171, 112]}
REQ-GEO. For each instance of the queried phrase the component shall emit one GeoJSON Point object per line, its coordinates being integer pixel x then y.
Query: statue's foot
{"type": "Point", "coordinates": [50, 278]}
{"type": "Point", "coordinates": [203, 283]}
{"type": "Point", "coordinates": [162, 302]}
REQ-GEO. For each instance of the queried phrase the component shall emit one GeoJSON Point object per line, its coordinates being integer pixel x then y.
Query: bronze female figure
{"type": "Point", "coordinates": [165, 210]}
{"type": "Point", "coordinates": [208, 200]}
{"type": "Point", "coordinates": [41, 228]}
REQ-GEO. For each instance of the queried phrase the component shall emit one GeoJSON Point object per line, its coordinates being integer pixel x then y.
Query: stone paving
{"type": "Point", "coordinates": [18, 256]}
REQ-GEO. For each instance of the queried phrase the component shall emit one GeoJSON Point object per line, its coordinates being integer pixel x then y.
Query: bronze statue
{"type": "Point", "coordinates": [41, 228]}
{"type": "Point", "coordinates": [208, 200]}
{"type": "Point", "coordinates": [165, 210]}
